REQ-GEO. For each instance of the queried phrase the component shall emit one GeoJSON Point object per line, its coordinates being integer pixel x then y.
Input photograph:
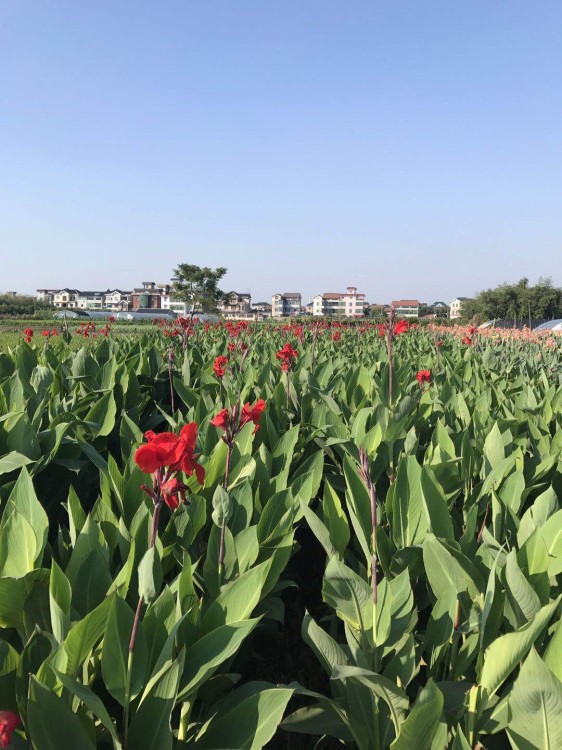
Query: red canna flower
{"type": "Point", "coordinates": [231, 347]}
{"type": "Point", "coordinates": [472, 330]}
{"type": "Point", "coordinates": [423, 376]}
{"type": "Point", "coordinates": [287, 356]}
{"type": "Point", "coordinates": [45, 333]}
{"type": "Point", "coordinates": [467, 340]}
{"type": "Point", "coordinates": [222, 420]}
{"type": "Point", "coordinates": [8, 723]}
{"type": "Point", "coordinates": [167, 450]}
{"type": "Point", "coordinates": [54, 332]}
{"type": "Point", "coordinates": [112, 318]}
{"type": "Point", "coordinates": [219, 366]}
{"type": "Point", "coordinates": [252, 414]}
{"type": "Point", "coordinates": [401, 327]}
{"type": "Point", "coordinates": [173, 492]}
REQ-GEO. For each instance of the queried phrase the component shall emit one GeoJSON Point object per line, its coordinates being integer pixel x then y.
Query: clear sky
{"type": "Point", "coordinates": [410, 148]}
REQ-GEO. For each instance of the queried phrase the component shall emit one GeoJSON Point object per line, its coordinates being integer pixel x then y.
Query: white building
{"type": "Point", "coordinates": [286, 305]}
{"type": "Point", "coordinates": [455, 308]}
{"type": "Point", "coordinates": [117, 299]}
{"type": "Point", "coordinates": [46, 295]}
{"type": "Point", "coordinates": [350, 304]}
{"type": "Point", "coordinates": [167, 303]}
{"type": "Point", "coordinates": [67, 298]}
{"type": "Point", "coordinates": [237, 306]}
{"type": "Point", "coordinates": [406, 308]}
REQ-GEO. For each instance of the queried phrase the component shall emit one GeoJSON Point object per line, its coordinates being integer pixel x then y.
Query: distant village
{"type": "Point", "coordinates": [154, 297]}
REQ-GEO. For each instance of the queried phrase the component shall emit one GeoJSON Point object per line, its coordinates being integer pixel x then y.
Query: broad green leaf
{"type": "Point", "coordinates": [60, 596]}
{"type": "Point", "coordinates": [150, 728]}
{"type": "Point", "coordinates": [115, 653]}
{"type": "Point", "coordinates": [205, 655]}
{"type": "Point", "coordinates": [535, 705]}
{"type": "Point", "coordinates": [237, 599]}
{"type": "Point", "coordinates": [409, 521]}
{"type": "Point", "coordinates": [446, 567]}
{"type": "Point", "coordinates": [249, 725]}
{"type": "Point", "coordinates": [421, 725]}
{"type": "Point", "coordinates": [51, 723]}
{"type": "Point", "coordinates": [505, 653]}
{"type": "Point", "coordinates": [150, 574]}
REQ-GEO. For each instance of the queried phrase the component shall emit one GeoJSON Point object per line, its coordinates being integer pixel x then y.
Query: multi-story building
{"type": "Point", "coordinates": [90, 300]}
{"type": "Point", "coordinates": [150, 295]}
{"type": "Point", "coordinates": [348, 304]}
{"type": "Point", "coordinates": [353, 303]}
{"type": "Point", "coordinates": [67, 298]}
{"type": "Point", "coordinates": [46, 295]}
{"type": "Point", "coordinates": [286, 305]}
{"type": "Point", "coordinates": [455, 308]}
{"type": "Point", "coordinates": [237, 306]}
{"type": "Point", "coordinates": [406, 308]}
{"type": "Point", "coordinates": [328, 303]}
{"type": "Point", "coordinates": [179, 307]}
{"type": "Point", "coordinates": [117, 299]}
{"type": "Point", "coordinates": [261, 309]}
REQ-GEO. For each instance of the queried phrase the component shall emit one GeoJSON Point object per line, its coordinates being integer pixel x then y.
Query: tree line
{"type": "Point", "coordinates": [518, 302]}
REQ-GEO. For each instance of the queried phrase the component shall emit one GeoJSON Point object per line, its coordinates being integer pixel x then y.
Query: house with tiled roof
{"type": "Point", "coordinates": [406, 308]}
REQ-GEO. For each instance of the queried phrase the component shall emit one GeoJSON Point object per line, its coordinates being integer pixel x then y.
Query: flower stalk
{"type": "Point", "coordinates": [365, 472]}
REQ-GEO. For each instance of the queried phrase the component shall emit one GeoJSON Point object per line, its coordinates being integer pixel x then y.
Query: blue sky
{"type": "Point", "coordinates": [412, 149]}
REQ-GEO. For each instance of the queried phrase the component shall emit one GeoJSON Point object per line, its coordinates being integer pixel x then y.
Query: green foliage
{"type": "Point", "coordinates": [519, 302]}
{"type": "Point", "coordinates": [198, 287]}
{"type": "Point", "coordinates": [437, 621]}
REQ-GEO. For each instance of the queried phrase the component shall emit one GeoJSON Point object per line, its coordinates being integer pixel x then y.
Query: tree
{"type": "Point", "coordinates": [518, 302]}
{"type": "Point", "coordinates": [198, 287]}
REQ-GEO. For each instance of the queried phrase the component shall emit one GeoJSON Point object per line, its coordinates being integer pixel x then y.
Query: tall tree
{"type": "Point", "coordinates": [517, 302]}
{"type": "Point", "coordinates": [198, 287]}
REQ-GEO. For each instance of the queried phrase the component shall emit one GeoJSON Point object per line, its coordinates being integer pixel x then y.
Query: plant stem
{"type": "Point", "coordinates": [366, 475]}
{"type": "Point", "coordinates": [230, 446]}
{"type": "Point", "coordinates": [136, 623]}
{"type": "Point", "coordinates": [170, 376]}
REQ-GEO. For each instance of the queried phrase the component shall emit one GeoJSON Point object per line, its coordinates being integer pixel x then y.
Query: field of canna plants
{"type": "Point", "coordinates": [315, 535]}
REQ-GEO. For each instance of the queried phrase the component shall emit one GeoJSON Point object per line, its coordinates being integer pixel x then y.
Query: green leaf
{"type": "Point", "coordinates": [446, 567]}
{"type": "Point", "coordinates": [83, 636]}
{"type": "Point", "coordinates": [440, 625]}
{"type": "Point", "coordinates": [150, 575]}
{"type": "Point", "coordinates": [115, 653]}
{"type": "Point", "coordinates": [13, 461]}
{"type": "Point", "coordinates": [522, 597]}
{"type": "Point", "coordinates": [505, 653]}
{"type": "Point", "coordinates": [150, 728]}
{"type": "Point", "coordinates": [553, 653]}
{"type": "Point", "coordinates": [535, 705]}
{"type": "Point", "coordinates": [348, 594]}
{"type": "Point", "coordinates": [60, 597]}
{"type": "Point", "coordinates": [92, 702]}
{"type": "Point", "coordinates": [18, 547]}
{"type": "Point", "coordinates": [205, 655]}
{"type": "Point", "coordinates": [328, 652]}
{"type": "Point", "coordinates": [222, 506]}
{"type": "Point", "coordinates": [335, 518]}
{"type": "Point", "coordinates": [435, 503]}
{"type": "Point", "coordinates": [51, 723]}
{"type": "Point", "coordinates": [420, 728]}
{"type": "Point", "coordinates": [102, 415]}
{"type": "Point", "coordinates": [249, 725]}
{"type": "Point", "coordinates": [238, 598]}
{"type": "Point", "coordinates": [409, 522]}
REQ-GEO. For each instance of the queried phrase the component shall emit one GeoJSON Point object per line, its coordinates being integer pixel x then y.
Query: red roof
{"type": "Point", "coordinates": [405, 303]}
